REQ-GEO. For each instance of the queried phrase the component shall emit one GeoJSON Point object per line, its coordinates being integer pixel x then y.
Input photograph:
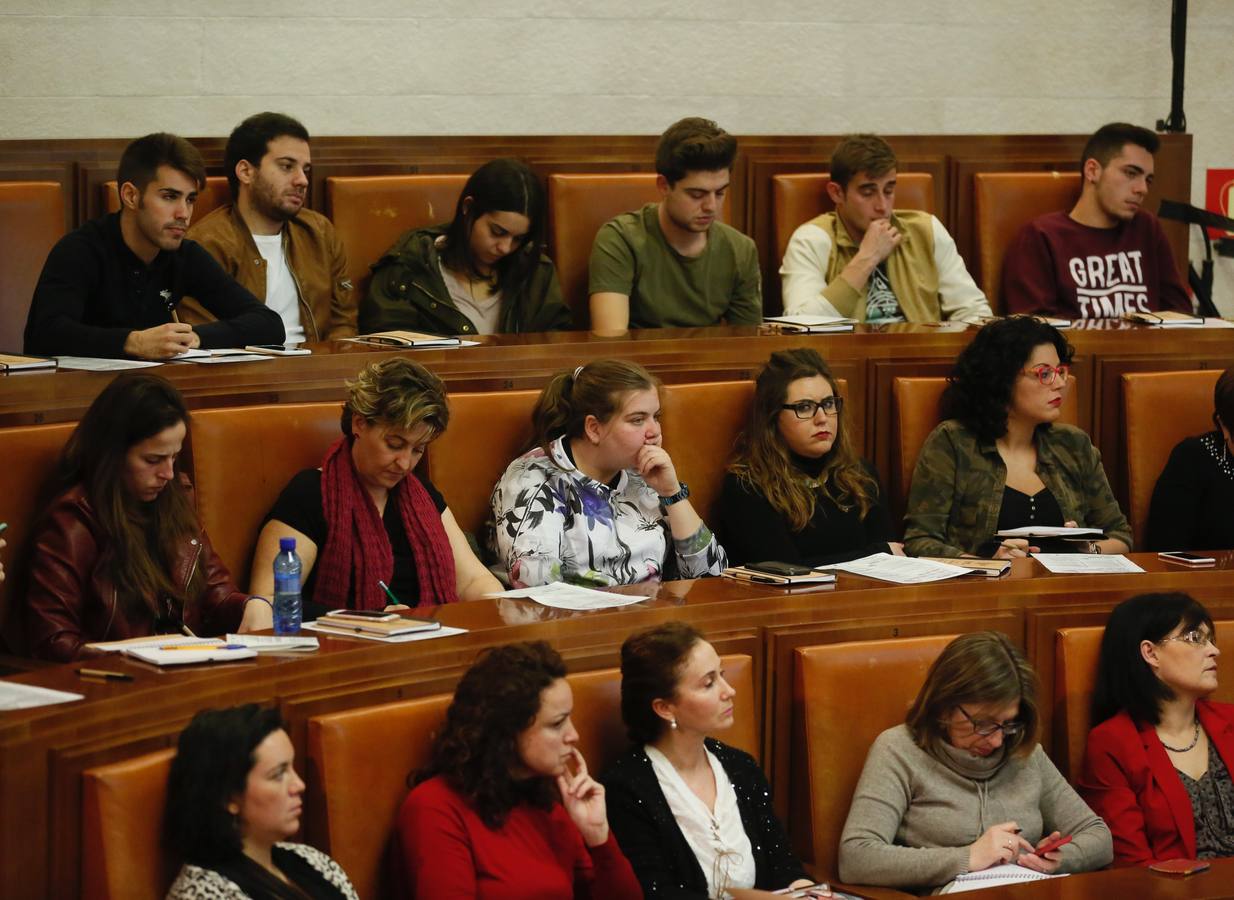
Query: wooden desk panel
{"type": "Point", "coordinates": [1215, 884]}
{"type": "Point", "coordinates": [42, 752]}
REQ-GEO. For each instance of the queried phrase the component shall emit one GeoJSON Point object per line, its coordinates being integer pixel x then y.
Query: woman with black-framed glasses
{"type": "Point", "coordinates": [1158, 761]}
{"type": "Point", "coordinates": [1001, 459]}
{"type": "Point", "coordinates": [963, 784]}
{"type": "Point", "coordinates": [797, 491]}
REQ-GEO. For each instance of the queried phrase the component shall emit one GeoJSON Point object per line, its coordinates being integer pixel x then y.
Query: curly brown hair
{"type": "Point", "coordinates": [476, 750]}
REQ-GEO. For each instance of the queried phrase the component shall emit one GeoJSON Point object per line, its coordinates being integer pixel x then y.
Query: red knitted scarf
{"type": "Point", "coordinates": [357, 552]}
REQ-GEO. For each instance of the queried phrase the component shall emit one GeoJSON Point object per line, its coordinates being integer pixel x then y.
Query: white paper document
{"type": "Point", "coordinates": [1048, 531]}
{"type": "Point", "coordinates": [216, 357]}
{"type": "Point", "coordinates": [156, 641]}
{"type": "Point", "coordinates": [443, 631]}
{"type": "Point", "coordinates": [995, 876]}
{"type": "Point", "coordinates": [26, 696]}
{"type": "Point", "coordinates": [898, 569]}
{"type": "Point", "coordinates": [570, 596]}
{"type": "Point", "coordinates": [185, 654]}
{"type": "Point", "coordinates": [274, 643]}
{"type": "Point", "coordinates": [1086, 563]}
{"type": "Point", "coordinates": [97, 364]}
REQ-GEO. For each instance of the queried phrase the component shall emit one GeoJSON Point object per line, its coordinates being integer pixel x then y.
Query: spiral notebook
{"type": "Point", "coordinates": [995, 876]}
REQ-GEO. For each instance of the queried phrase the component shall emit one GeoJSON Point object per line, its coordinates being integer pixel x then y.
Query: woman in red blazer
{"type": "Point", "coordinates": [1157, 767]}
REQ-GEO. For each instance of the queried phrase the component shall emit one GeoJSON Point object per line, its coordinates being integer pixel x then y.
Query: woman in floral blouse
{"type": "Point", "coordinates": [596, 501]}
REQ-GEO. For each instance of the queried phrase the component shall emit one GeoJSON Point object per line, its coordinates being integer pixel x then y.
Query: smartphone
{"type": "Point", "coordinates": [1053, 845]}
{"type": "Point", "coordinates": [779, 568]}
{"type": "Point", "coordinates": [368, 615]}
{"type": "Point", "coordinates": [1187, 559]}
{"type": "Point", "coordinates": [278, 349]}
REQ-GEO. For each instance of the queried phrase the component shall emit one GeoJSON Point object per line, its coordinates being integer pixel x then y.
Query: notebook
{"type": "Point", "coordinates": [405, 339]}
{"type": "Point", "coordinates": [15, 362]}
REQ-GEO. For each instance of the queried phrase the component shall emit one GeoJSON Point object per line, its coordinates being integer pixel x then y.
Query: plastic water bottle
{"type": "Point", "coordinates": [287, 607]}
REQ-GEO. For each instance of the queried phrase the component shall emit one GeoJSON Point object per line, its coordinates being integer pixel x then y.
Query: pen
{"type": "Point", "coordinates": [186, 631]}
{"type": "Point", "coordinates": [203, 647]}
{"type": "Point", "coordinates": [393, 599]}
{"type": "Point", "coordinates": [105, 674]}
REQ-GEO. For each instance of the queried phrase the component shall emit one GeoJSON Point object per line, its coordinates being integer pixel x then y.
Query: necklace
{"type": "Point", "coordinates": [1195, 740]}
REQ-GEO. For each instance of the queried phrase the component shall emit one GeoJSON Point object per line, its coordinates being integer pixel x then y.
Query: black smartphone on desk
{"type": "Point", "coordinates": [779, 568]}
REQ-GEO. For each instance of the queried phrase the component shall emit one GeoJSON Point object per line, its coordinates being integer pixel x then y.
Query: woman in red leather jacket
{"type": "Point", "coordinates": [119, 552]}
{"type": "Point", "coordinates": [1158, 761]}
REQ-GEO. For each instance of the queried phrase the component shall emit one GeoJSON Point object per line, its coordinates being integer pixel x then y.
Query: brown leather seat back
{"type": "Point", "coordinates": [370, 212]}
{"type": "Point", "coordinates": [211, 197]}
{"type": "Point", "coordinates": [31, 220]}
{"type": "Point", "coordinates": [243, 457]}
{"type": "Point", "coordinates": [841, 716]}
{"type": "Point", "coordinates": [29, 456]}
{"type": "Point", "coordinates": [487, 430]}
{"type": "Point", "coordinates": [602, 734]}
{"type": "Point", "coordinates": [122, 824]}
{"type": "Point", "coordinates": [358, 767]}
{"type": "Point", "coordinates": [1159, 410]}
{"type": "Point", "coordinates": [1075, 676]}
{"type": "Point", "coordinates": [798, 197]}
{"type": "Point", "coordinates": [701, 423]}
{"type": "Point", "coordinates": [1004, 203]}
{"type": "Point", "coordinates": [577, 206]}
{"type": "Point", "coordinates": [914, 403]}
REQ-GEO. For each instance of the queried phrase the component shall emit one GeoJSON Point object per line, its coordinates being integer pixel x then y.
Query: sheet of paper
{"type": "Point", "coordinates": [192, 353]}
{"type": "Point", "coordinates": [154, 641]}
{"type": "Point", "coordinates": [443, 631]}
{"type": "Point", "coordinates": [1086, 563]}
{"type": "Point", "coordinates": [898, 569]}
{"type": "Point", "coordinates": [95, 364]}
{"type": "Point", "coordinates": [207, 653]}
{"type": "Point", "coordinates": [1048, 531]}
{"type": "Point", "coordinates": [570, 596]}
{"type": "Point", "coordinates": [25, 696]}
{"type": "Point", "coordinates": [216, 359]}
{"type": "Point", "coordinates": [273, 643]}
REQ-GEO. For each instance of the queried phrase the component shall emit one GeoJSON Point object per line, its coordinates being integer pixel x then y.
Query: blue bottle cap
{"type": "Point", "coordinates": [287, 544]}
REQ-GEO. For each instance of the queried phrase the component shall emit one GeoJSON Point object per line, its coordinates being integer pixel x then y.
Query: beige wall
{"type": "Point", "coordinates": [113, 68]}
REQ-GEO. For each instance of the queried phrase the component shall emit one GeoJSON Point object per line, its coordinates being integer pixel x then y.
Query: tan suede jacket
{"type": "Point", "coordinates": [314, 254]}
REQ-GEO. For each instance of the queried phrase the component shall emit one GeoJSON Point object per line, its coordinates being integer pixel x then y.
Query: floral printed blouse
{"type": "Point", "coordinates": [553, 523]}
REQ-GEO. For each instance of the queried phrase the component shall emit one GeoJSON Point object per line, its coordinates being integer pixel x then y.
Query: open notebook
{"type": "Point", "coordinates": [995, 876]}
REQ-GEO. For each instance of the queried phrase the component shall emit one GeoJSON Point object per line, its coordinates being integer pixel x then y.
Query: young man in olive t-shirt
{"type": "Point", "coordinates": [673, 263]}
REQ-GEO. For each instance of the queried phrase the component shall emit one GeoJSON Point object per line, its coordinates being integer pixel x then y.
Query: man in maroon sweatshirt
{"type": "Point", "coordinates": [1107, 256]}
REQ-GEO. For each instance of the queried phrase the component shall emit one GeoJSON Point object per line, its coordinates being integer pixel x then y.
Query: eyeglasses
{"type": "Point", "coordinates": [805, 409]}
{"type": "Point", "coordinates": [1195, 637]}
{"type": "Point", "coordinates": [985, 728]}
{"type": "Point", "coordinates": [1047, 374]}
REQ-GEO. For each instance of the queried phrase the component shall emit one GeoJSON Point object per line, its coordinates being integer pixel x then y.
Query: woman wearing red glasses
{"type": "Point", "coordinates": [1001, 460]}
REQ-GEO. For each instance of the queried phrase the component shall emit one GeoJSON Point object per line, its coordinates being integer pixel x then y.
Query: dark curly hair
{"type": "Point", "coordinates": [651, 663]}
{"type": "Point", "coordinates": [212, 764]}
{"type": "Point", "coordinates": [980, 386]}
{"type": "Point", "coordinates": [477, 748]}
{"type": "Point", "coordinates": [1125, 682]}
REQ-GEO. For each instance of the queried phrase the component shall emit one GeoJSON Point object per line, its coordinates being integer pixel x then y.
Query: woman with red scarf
{"type": "Point", "coordinates": [365, 516]}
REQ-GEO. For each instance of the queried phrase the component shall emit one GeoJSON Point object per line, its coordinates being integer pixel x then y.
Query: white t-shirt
{"type": "Point", "coordinates": [484, 312]}
{"type": "Point", "coordinates": [717, 837]}
{"type": "Point", "coordinates": [281, 293]}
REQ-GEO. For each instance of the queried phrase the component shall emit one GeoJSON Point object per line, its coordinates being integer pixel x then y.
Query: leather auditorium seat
{"type": "Point", "coordinates": [243, 457]}
{"type": "Point", "coordinates": [122, 825]}
{"type": "Point", "coordinates": [841, 716]}
{"type": "Point", "coordinates": [211, 197]}
{"type": "Point", "coordinates": [370, 212]}
{"type": "Point", "coordinates": [798, 197]}
{"type": "Point", "coordinates": [31, 220]}
{"type": "Point", "coordinates": [701, 423]}
{"type": "Point", "coordinates": [1075, 673]}
{"type": "Point", "coordinates": [578, 204]}
{"type": "Point", "coordinates": [1003, 203]}
{"type": "Point", "coordinates": [1159, 410]}
{"type": "Point", "coordinates": [914, 404]}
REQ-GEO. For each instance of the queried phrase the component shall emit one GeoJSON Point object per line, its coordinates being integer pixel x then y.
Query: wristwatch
{"type": "Point", "coordinates": [681, 494]}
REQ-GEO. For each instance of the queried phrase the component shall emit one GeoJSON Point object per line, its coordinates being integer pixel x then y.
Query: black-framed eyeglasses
{"type": "Point", "coordinates": [985, 728]}
{"type": "Point", "coordinates": [805, 409]}
{"type": "Point", "coordinates": [1046, 374]}
{"type": "Point", "coordinates": [1195, 637]}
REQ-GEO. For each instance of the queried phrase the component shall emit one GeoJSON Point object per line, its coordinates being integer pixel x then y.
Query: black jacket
{"type": "Point", "coordinates": [649, 836]}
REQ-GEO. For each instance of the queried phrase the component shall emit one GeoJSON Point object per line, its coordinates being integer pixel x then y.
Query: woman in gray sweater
{"type": "Point", "coordinates": [963, 785]}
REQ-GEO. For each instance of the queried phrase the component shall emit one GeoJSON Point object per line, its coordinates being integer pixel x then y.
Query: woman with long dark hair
{"type": "Point", "coordinates": [484, 272]}
{"type": "Point", "coordinates": [233, 800]}
{"type": "Point", "coordinates": [119, 552]}
{"type": "Point", "coordinates": [596, 500]}
{"type": "Point", "coordinates": [797, 491]}
{"type": "Point", "coordinates": [1158, 761]}
{"type": "Point", "coordinates": [1001, 459]}
{"type": "Point", "coordinates": [506, 807]}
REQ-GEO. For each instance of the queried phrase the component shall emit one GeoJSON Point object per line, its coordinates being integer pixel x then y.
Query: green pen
{"type": "Point", "coordinates": [389, 593]}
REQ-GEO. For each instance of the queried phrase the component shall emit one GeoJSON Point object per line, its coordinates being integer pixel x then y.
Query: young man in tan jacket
{"type": "Point", "coordinates": [288, 256]}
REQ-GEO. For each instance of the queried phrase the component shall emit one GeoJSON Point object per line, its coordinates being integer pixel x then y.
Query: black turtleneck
{"type": "Point", "coordinates": [752, 531]}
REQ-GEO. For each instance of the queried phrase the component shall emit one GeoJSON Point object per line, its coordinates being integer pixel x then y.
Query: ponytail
{"type": "Point", "coordinates": [595, 389]}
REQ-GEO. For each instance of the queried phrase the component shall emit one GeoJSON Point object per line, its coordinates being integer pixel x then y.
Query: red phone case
{"type": "Point", "coordinates": [1180, 866]}
{"type": "Point", "coordinates": [1050, 848]}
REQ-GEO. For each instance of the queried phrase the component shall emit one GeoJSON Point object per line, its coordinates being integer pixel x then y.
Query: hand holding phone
{"type": "Point", "coordinates": [1051, 846]}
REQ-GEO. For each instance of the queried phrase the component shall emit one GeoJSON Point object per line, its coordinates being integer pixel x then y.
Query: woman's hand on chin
{"type": "Point", "coordinates": [656, 467]}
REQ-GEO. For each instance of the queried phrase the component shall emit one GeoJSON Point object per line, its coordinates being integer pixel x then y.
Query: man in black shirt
{"type": "Point", "coordinates": [111, 287]}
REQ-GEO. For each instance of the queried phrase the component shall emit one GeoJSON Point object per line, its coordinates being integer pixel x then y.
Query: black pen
{"type": "Point", "coordinates": [105, 674]}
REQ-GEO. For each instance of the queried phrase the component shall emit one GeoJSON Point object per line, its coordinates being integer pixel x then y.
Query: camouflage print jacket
{"type": "Point", "coordinates": [958, 483]}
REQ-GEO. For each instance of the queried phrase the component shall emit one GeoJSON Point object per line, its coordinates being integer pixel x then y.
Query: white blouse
{"type": "Point", "coordinates": [718, 838]}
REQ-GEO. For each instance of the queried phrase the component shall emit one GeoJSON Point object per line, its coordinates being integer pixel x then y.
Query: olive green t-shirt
{"type": "Point", "coordinates": [667, 290]}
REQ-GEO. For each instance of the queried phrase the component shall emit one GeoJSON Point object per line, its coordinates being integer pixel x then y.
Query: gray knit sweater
{"type": "Point", "coordinates": [913, 816]}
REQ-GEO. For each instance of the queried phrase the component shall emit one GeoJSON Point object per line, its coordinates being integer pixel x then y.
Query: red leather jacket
{"type": "Point", "coordinates": [72, 601]}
